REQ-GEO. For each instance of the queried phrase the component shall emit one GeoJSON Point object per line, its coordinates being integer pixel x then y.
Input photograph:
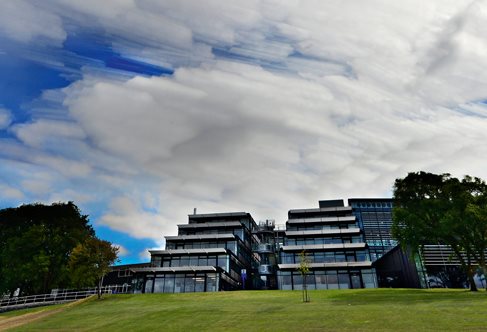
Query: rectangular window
{"type": "Point", "coordinates": [297, 281]}
{"type": "Point", "coordinates": [148, 285]}
{"type": "Point", "coordinates": [223, 262]}
{"type": "Point", "coordinates": [211, 282]}
{"type": "Point", "coordinates": [189, 284]}
{"type": "Point", "coordinates": [169, 284]}
{"type": "Point", "coordinates": [344, 280]}
{"type": "Point", "coordinates": [320, 279]}
{"type": "Point", "coordinates": [332, 279]}
{"type": "Point", "coordinates": [193, 261]}
{"type": "Point", "coordinates": [199, 283]}
{"type": "Point", "coordinates": [184, 261]}
{"type": "Point", "coordinates": [159, 285]}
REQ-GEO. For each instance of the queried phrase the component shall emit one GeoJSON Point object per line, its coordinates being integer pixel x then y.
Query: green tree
{"type": "Point", "coordinates": [304, 270]}
{"type": "Point", "coordinates": [437, 208]}
{"type": "Point", "coordinates": [35, 245]}
{"type": "Point", "coordinates": [90, 261]}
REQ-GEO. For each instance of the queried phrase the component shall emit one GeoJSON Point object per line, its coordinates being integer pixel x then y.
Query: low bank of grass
{"type": "Point", "coordinates": [341, 310]}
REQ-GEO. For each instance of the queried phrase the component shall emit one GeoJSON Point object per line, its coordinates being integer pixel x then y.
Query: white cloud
{"type": "Point", "coordinates": [122, 251]}
{"type": "Point", "coordinates": [319, 100]}
{"type": "Point", "coordinates": [26, 21]}
{"type": "Point", "coordinates": [40, 132]}
{"type": "Point", "coordinates": [9, 192]}
{"type": "Point", "coordinates": [125, 215]}
{"type": "Point", "coordinates": [5, 118]}
{"type": "Point", "coordinates": [144, 255]}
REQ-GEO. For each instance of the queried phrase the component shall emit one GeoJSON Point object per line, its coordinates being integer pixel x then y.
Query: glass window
{"type": "Point", "coordinates": [169, 284]}
{"type": "Point", "coordinates": [239, 233]}
{"type": "Point", "coordinates": [223, 262]}
{"type": "Point", "coordinates": [193, 261]}
{"type": "Point", "coordinates": [156, 261]}
{"type": "Point", "coordinates": [211, 282]}
{"type": "Point", "coordinates": [212, 261]}
{"type": "Point", "coordinates": [159, 285]}
{"type": "Point", "coordinates": [350, 257]}
{"type": "Point", "coordinates": [329, 257]}
{"type": "Point", "coordinates": [189, 285]}
{"type": "Point", "coordinates": [297, 281]}
{"type": "Point", "coordinates": [319, 257]}
{"type": "Point", "coordinates": [137, 285]}
{"type": "Point", "coordinates": [310, 281]}
{"type": "Point", "coordinates": [184, 261]}
{"type": "Point", "coordinates": [332, 279]}
{"type": "Point", "coordinates": [344, 280]}
{"type": "Point", "coordinates": [148, 285]}
{"type": "Point", "coordinates": [320, 279]}
{"type": "Point", "coordinates": [361, 256]}
{"type": "Point", "coordinates": [179, 284]}
{"type": "Point", "coordinates": [199, 284]}
{"type": "Point", "coordinates": [285, 281]}
{"type": "Point", "coordinates": [368, 279]}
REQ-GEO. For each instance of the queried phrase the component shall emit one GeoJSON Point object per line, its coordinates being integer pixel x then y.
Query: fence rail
{"type": "Point", "coordinates": [56, 296]}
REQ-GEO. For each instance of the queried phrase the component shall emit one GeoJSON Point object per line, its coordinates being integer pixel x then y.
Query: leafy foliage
{"type": "Point", "coordinates": [90, 261]}
{"type": "Point", "coordinates": [437, 208]}
{"type": "Point", "coordinates": [304, 270]}
{"type": "Point", "coordinates": [36, 243]}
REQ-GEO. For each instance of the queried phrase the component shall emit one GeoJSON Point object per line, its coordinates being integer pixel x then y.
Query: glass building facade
{"type": "Point", "coordinates": [212, 252]}
{"type": "Point", "coordinates": [229, 251]}
{"type": "Point", "coordinates": [333, 242]}
{"type": "Point", "coordinates": [374, 216]}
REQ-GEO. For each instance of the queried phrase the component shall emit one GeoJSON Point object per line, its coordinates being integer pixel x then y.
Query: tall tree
{"type": "Point", "coordinates": [35, 245]}
{"type": "Point", "coordinates": [90, 261]}
{"type": "Point", "coordinates": [304, 270]}
{"type": "Point", "coordinates": [437, 208]}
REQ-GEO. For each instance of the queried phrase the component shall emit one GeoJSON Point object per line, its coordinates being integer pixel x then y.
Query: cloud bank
{"type": "Point", "coordinates": [271, 106]}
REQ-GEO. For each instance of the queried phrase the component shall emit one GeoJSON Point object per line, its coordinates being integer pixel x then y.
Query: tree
{"type": "Point", "coordinates": [90, 261]}
{"type": "Point", "coordinates": [304, 270]}
{"type": "Point", "coordinates": [35, 244]}
{"type": "Point", "coordinates": [437, 208]}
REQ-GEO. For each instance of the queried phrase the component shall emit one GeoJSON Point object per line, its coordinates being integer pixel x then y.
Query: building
{"type": "Point", "coordinates": [347, 247]}
{"type": "Point", "coordinates": [213, 252]}
{"type": "Point", "coordinates": [374, 216]}
{"type": "Point", "coordinates": [331, 238]}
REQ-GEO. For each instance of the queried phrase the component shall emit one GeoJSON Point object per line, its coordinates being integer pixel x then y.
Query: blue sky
{"type": "Point", "coordinates": [140, 111]}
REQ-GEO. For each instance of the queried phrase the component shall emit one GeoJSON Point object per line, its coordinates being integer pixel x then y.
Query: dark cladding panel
{"type": "Point", "coordinates": [331, 203]}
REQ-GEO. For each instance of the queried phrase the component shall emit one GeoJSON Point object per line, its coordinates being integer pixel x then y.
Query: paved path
{"type": "Point", "coordinates": [16, 321]}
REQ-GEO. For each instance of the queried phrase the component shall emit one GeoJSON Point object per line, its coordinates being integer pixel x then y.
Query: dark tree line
{"type": "Point", "coordinates": [441, 209]}
{"type": "Point", "coordinates": [40, 249]}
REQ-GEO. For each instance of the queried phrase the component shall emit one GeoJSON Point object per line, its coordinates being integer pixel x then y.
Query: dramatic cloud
{"type": "Point", "coordinates": [26, 21]}
{"type": "Point", "coordinates": [271, 106]}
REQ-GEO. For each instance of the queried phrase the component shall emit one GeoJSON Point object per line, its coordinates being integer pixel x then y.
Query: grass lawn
{"type": "Point", "coordinates": [8, 314]}
{"type": "Point", "coordinates": [340, 310]}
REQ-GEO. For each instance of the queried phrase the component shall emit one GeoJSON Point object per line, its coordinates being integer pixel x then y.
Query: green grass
{"type": "Point", "coordinates": [341, 310]}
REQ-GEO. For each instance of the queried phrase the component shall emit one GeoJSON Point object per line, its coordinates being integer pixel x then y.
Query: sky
{"type": "Point", "coordinates": [139, 111]}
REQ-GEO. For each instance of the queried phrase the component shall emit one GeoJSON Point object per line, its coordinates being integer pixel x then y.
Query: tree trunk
{"type": "Point", "coordinates": [99, 288]}
{"type": "Point", "coordinates": [470, 274]}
